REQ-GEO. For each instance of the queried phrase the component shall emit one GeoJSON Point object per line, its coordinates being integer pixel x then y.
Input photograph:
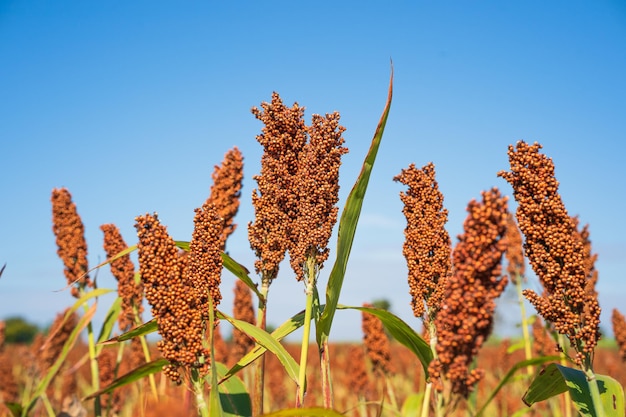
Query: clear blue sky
{"type": "Point", "coordinates": [130, 105]}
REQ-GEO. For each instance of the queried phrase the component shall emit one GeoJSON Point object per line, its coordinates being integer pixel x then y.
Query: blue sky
{"type": "Point", "coordinates": [130, 105]}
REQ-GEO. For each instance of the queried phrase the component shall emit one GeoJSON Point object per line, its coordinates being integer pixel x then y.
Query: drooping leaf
{"type": "Point", "coordinates": [556, 379]}
{"type": "Point", "coordinates": [241, 272]}
{"type": "Point", "coordinates": [132, 376]}
{"type": "Point", "coordinates": [2, 269]}
{"type": "Point", "coordinates": [402, 332]}
{"type": "Point", "coordinates": [148, 327]}
{"type": "Point", "coordinates": [266, 340]}
{"type": "Point", "coordinates": [233, 395]}
{"type": "Point", "coordinates": [347, 226]}
{"type": "Point", "coordinates": [109, 322]}
{"type": "Point", "coordinates": [509, 377]}
{"type": "Point", "coordinates": [284, 330]}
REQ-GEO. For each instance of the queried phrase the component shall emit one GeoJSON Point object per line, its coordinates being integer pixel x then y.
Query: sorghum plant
{"type": "Point", "coordinates": [242, 310]}
{"type": "Point", "coordinates": [465, 319]}
{"type": "Point", "coordinates": [72, 247]}
{"type": "Point", "coordinates": [619, 329]}
{"type": "Point", "coordinates": [555, 252]}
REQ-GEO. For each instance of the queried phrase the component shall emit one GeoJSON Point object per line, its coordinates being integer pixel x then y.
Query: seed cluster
{"type": "Point", "coordinates": [122, 268]}
{"type": "Point", "coordinates": [554, 250]}
{"type": "Point", "coordinates": [376, 343]}
{"type": "Point", "coordinates": [242, 310]}
{"type": "Point", "coordinates": [427, 244]}
{"type": "Point", "coordinates": [60, 331]}
{"type": "Point", "coordinates": [226, 190]}
{"type": "Point", "coordinates": [619, 329]}
{"type": "Point", "coordinates": [317, 192]}
{"type": "Point", "coordinates": [466, 317]}
{"type": "Point", "coordinates": [283, 138]}
{"type": "Point", "coordinates": [543, 344]}
{"type": "Point", "coordinates": [70, 238]}
{"type": "Point", "coordinates": [357, 372]}
{"type": "Point", "coordinates": [514, 253]}
{"type": "Point", "coordinates": [178, 286]}
{"type": "Point", "coordinates": [106, 368]}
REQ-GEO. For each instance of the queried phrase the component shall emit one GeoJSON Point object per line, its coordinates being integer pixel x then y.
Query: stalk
{"type": "Point", "coordinates": [146, 354]}
{"type": "Point", "coordinates": [391, 393]}
{"type": "Point", "coordinates": [327, 385]}
{"type": "Point", "coordinates": [525, 332]}
{"type": "Point", "coordinates": [595, 393]}
{"type": "Point", "coordinates": [568, 399]}
{"type": "Point", "coordinates": [259, 379]}
{"type": "Point", "coordinates": [93, 361]}
{"type": "Point", "coordinates": [198, 389]}
{"type": "Point", "coordinates": [306, 334]}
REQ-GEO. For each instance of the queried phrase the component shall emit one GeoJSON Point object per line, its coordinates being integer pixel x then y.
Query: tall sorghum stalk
{"type": "Point", "coordinates": [465, 319]}
{"type": "Point", "coordinates": [180, 289]}
{"type": "Point", "coordinates": [558, 255]}
{"type": "Point", "coordinates": [72, 249]}
{"type": "Point", "coordinates": [427, 250]}
{"type": "Point", "coordinates": [283, 137]}
{"type": "Point", "coordinates": [515, 268]}
{"type": "Point", "coordinates": [379, 351]}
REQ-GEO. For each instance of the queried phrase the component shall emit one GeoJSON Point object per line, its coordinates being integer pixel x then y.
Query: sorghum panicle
{"type": "Point", "coordinates": [376, 343]}
{"type": "Point", "coordinates": [221, 350]}
{"type": "Point", "coordinates": [283, 138]}
{"type": "Point", "coordinates": [226, 190]}
{"type": "Point", "coordinates": [106, 367]}
{"type": "Point", "coordinates": [123, 270]}
{"type": "Point", "coordinates": [427, 244]}
{"type": "Point", "coordinates": [173, 300]}
{"type": "Point", "coordinates": [357, 372]}
{"type": "Point", "coordinates": [554, 251]}
{"type": "Point", "coordinates": [60, 331]}
{"type": "Point", "coordinates": [317, 193]}
{"type": "Point", "coordinates": [70, 238]}
{"type": "Point", "coordinates": [242, 310]}
{"type": "Point", "coordinates": [514, 253]}
{"type": "Point", "coordinates": [619, 329]}
{"type": "Point", "coordinates": [543, 344]}
{"type": "Point", "coordinates": [466, 318]}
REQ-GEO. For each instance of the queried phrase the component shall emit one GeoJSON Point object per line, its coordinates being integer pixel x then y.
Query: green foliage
{"type": "Point", "coordinates": [382, 304]}
{"type": "Point", "coordinates": [19, 330]}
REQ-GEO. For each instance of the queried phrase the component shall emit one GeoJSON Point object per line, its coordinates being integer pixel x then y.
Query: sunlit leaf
{"type": "Point", "coordinates": [402, 332]}
{"type": "Point", "coordinates": [412, 406]}
{"type": "Point", "coordinates": [241, 272]}
{"type": "Point", "coordinates": [312, 412]}
{"type": "Point", "coordinates": [132, 376]}
{"type": "Point", "coordinates": [347, 226]}
{"type": "Point", "coordinates": [146, 328]}
{"type": "Point", "coordinates": [109, 322]}
{"type": "Point", "coordinates": [233, 395]}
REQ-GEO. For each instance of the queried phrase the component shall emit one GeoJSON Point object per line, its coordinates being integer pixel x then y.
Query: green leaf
{"type": "Point", "coordinates": [509, 376]}
{"type": "Point", "coordinates": [347, 226]}
{"type": "Point", "coordinates": [69, 343]}
{"type": "Point", "coordinates": [556, 379]}
{"type": "Point", "coordinates": [285, 329]}
{"type": "Point", "coordinates": [266, 340]}
{"type": "Point", "coordinates": [312, 412]}
{"type": "Point", "coordinates": [114, 257]}
{"type": "Point", "coordinates": [132, 376]}
{"type": "Point", "coordinates": [109, 321]}
{"type": "Point", "coordinates": [14, 408]}
{"type": "Point", "coordinates": [233, 395]}
{"type": "Point", "coordinates": [241, 272]}
{"type": "Point", "coordinates": [402, 332]}
{"type": "Point", "coordinates": [412, 406]}
{"type": "Point", "coordinates": [215, 403]}
{"type": "Point", "coordinates": [146, 328]}
{"type": "Point", "coordinates": [182, 245]}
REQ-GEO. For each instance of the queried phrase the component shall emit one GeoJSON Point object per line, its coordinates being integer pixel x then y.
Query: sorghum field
{"type": "Point", "coordinates": [449, 366]}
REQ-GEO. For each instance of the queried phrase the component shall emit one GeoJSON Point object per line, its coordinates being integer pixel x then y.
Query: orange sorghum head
{"type": "Point", "coordinates": [619, 329]}
{"type": "Point", "coordinates": [283, 138]}
{"type": "Point", "coordinates": [543, 344]}
{"type": "Point", "coordinates": [226, 190]}
{"type": "Point", "coordinates": [70, 238]}
{"type": "Point", "coordinates": [242, 310]}
{"type": "Point", "coordinates": [554, 250]}
{"type": "Point", "coordinates": [107, 373]}
{"type": "Point", "coordinates": [465, 319]}
{"type": "Point", "coordinates": [427, 243]}
{"type": "Point", "coordinates": [317, 193]}
{"type": "Point", "coordinates": [514, 250]}
{"type": "Point", "coordinates": [123, 270]}
{"type": "Point", "coordinates": [221, 350]}
{"type": "Point", "coordinates": [60, 331]}
{"type": "Point", "coordinates": [173, 299]}
{"type": "Point", "coordinates": [357, 372]}
{"type": "Point", "coordinates": [376, 342]}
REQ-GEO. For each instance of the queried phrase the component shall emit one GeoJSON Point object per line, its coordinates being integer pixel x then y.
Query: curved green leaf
{"type": "Point", "coordinates": [285, 329]}
{"type": "Point", "coordinates": [402, 332]}
{"type": "Point", "coordinates": [266, 340]}
{"type": "Point", "coordinates": [233, 395]}
{"type": "Point", "coordinates": [14, 408]}
{"type": "Point", "coordinates": [132, 376]}
{"type": "Point", "coordinates": [312, 412]}
{"type": "Point", "coordinates": [146, 328]}
{"type": "Point", "coordinates": [412, 406]}
{"type": "Point", "coordinates": [109, 322]}
{"type": "Point", "coordinates": [347, 226]}
{"type": "Point", "coordinates": [509, 375]}
{"type": "Point", "coordinates": [241, 272]}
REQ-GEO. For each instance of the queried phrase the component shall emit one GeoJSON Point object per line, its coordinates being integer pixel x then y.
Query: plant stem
{"type": "Point", "coordinates": [525, 333]}
{"type": "Point", "coordinates": [259, 379]}
{"type": "Point", "coordinates": [198, 389]}
{"type": "Point", "coordinates": [595, 393]}
{"type": "Point", "coordinates": [327, 385]}
{"type": "Point", "coordinates": [306, 334]}
{"type": "Point", "coordinates": [426, 400]}
{"type": "Point", "coordinates": [568, 400]}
